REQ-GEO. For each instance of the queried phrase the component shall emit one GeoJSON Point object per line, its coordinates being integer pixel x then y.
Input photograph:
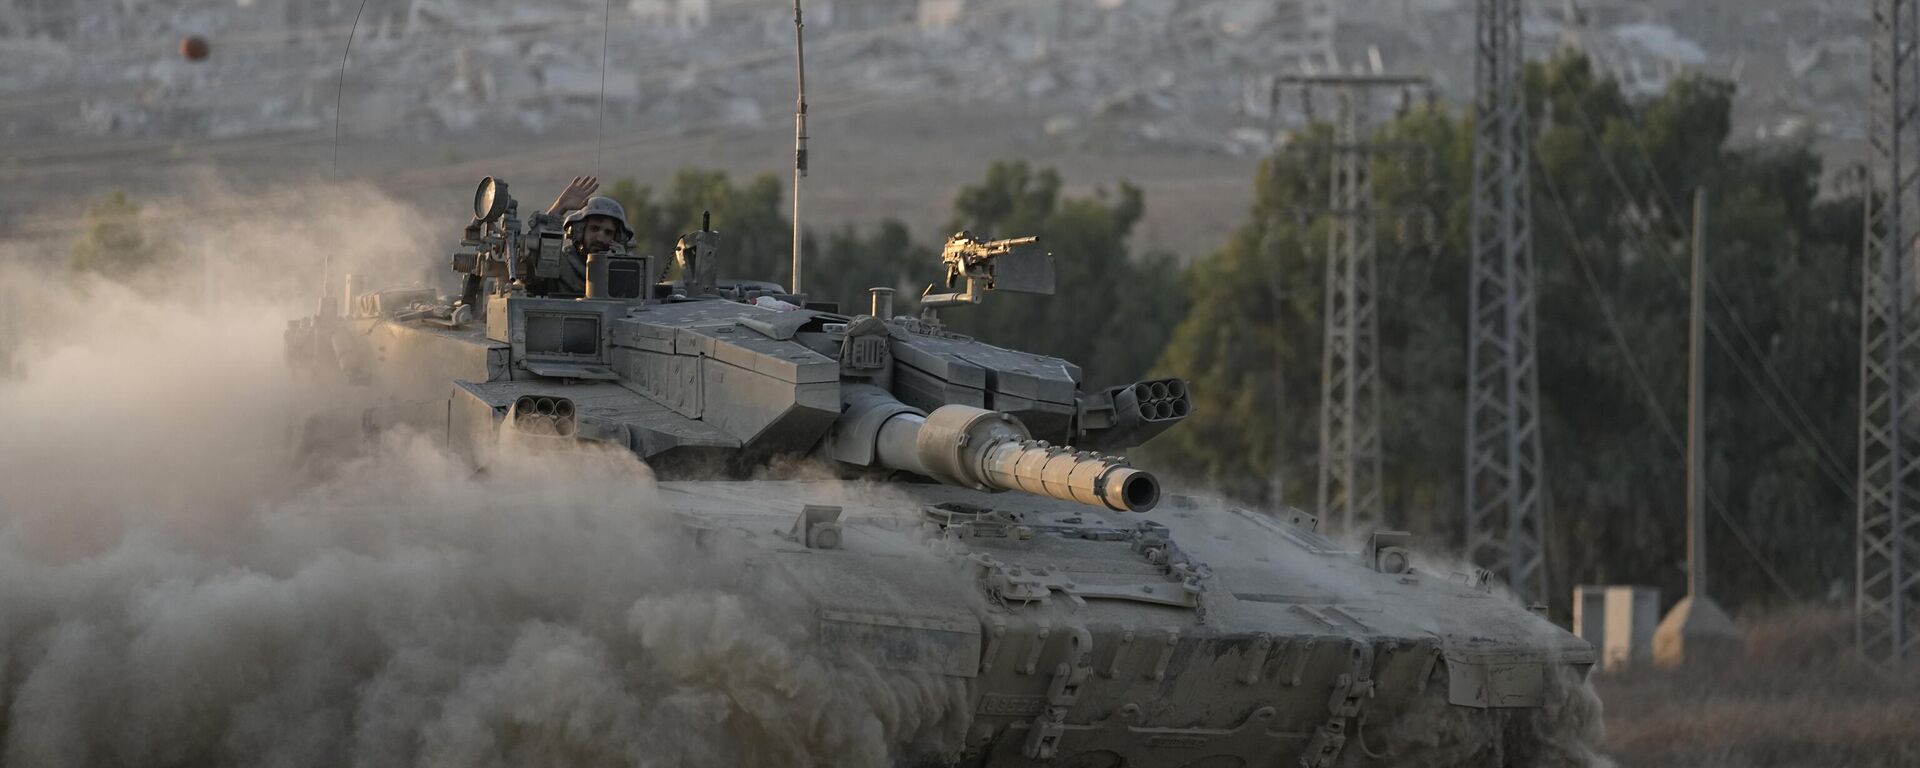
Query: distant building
{"type": "Point", "coordinates": [1304, 28]}
{"type": "Point", "coordinates": [1294, 29]}
{"type": "Point", "coordinates": [385, 19]}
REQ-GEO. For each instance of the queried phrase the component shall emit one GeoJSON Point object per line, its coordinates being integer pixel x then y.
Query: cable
{"type": "Point", "coordinates": [340, 87]}
{"type": "Point", "coordinates": [1800, 422]}
{"type": "Point", "coordinates": [1801, 427]}
{"type": "Point", "coordinates": [1821, 447]}
{"type": "Point", "coordinates": [1640, 378]}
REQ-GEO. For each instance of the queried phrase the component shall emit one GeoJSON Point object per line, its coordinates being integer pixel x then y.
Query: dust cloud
{"type": "Point", "coordinates": [174, 592]}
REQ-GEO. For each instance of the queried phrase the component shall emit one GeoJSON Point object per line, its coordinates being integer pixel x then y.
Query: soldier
{"type": "Point", "coordinates": [593, 224]}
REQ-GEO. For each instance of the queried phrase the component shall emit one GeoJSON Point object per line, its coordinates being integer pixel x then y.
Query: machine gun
{"type": "Point", "coordinates": [1018, 265]}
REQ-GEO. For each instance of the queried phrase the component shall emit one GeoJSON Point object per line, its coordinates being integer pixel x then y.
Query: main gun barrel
{"type": "Point", "coordinates": [992, 451]}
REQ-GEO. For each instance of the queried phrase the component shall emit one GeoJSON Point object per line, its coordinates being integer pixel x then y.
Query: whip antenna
{"type": "Point", "coordinates": [799, 135]}
{"type": "Point", "coordinates": [340, 86]}
{"type": "Point", "coordinates": [600, 140]}
{"type": "Point", "coordinates": [339, 89]}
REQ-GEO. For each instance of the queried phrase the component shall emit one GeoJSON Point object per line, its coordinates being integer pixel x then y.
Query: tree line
{"type": "Point", "coordinates": [1612, 177]}
{"type": "Point", "coordinates": [1113, 312]}
{"type": "Point", "coordinates": [1611, 182]}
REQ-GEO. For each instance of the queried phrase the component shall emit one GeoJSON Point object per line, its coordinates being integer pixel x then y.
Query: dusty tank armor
{"type": "Point", "coordinates": [1200, 634]}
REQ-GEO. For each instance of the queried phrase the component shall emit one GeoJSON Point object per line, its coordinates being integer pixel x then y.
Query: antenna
{"type": "Point", "coordinates": [339, 89]}
{"type": "Point", "coordinates": [799, 135]}
{"type": "Point", "coordinates": [600, 139]}
{"type": "Point", "coordinates": [340, 86]}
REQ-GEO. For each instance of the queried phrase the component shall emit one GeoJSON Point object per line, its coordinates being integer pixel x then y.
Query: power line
{"type": "Point", "coordinates": [340, 87]}
{"type": "Point", "coordinates": [1802, 427]}
{"type": "Point", "coordinates": [1639, 377]}
{"type": "Point", "coordinates": [1799, 423]}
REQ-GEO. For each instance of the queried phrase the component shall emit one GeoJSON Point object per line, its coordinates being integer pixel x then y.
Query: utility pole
{"type": "Point", "coordinates": [1696, 631]}
{"type": "Point", "coordinates": [1887, 594]}
{"type": "Point", "coordinates": [1696, 407]}
{"type": "Point", "coordinates": [1349, 487]}
{"type": "Point", "coordinates": [1277, 484]}
{"type": "Point", "coordinates": [1506, 522]}
{"type": "Point", "coordinates": [799, 135]}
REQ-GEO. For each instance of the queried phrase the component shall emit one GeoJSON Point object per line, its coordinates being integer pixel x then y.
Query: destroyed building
{"type": "Point", "coordinates": [1193, 73]}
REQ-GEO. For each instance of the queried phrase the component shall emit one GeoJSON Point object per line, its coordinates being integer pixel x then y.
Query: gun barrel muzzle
{"type": "Point", "coordinates": [992, 451]}
{"type": "Point", "coordinates": [1064, 473]}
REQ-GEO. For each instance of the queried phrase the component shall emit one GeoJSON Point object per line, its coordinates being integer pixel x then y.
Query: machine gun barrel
{"type": "Point", "coordinates": [992, 451]}
{"type": "Point", "coordinates": [975, 250]}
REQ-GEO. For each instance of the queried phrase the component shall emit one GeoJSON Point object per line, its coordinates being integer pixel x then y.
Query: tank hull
{"type": "Point", "coordinates": [1083, 634]}
{"type": "Point", "coordinates": [1294, 652]}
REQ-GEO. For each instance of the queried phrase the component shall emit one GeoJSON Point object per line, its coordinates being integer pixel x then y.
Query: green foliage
{"type": "Point", "coordinates": [851, 260]}
{"type": "Point", "coordinates": [1611, 201]}
{"type": "Point", "coordinates": [756, 234]}
{"type": "Point", "coordinates": [1111, 312]}
{"type": "Point", "coordinates": [113, 241]}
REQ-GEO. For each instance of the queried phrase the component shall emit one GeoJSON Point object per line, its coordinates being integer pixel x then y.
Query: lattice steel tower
{"type": "Point", "coordinates": [1505, 519]}
{"type": "Point", "coordinates": [1888, 590]}
{"type": "Point", "coordinates": [1349, 364]}
{"type": "Point", "coordinates": [1349, 487]}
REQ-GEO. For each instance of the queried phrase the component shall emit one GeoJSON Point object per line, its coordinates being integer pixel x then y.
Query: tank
{"type": "Point", "coordinates": [1110, 620]}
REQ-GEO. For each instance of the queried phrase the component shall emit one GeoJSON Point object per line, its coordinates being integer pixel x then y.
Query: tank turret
{"type": "Point", "coordinates": [713, 373]}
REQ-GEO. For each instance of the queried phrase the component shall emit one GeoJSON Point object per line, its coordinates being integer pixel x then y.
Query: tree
{"type": "Point", "coordinates": [1111, 313]}
{"type": "Point", "coordinates": [1612, 179]}
{"type": "Point", "coordinates": [851, 260]}
{"type": "Point", "coordinates": [756, 235]}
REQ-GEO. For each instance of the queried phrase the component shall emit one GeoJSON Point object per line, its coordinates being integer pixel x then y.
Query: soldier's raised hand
{"type": "Point", "coordinates": [575, 195]}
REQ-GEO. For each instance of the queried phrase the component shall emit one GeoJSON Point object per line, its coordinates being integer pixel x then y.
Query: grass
{"type": "Point", "coordinates": [1796, 696]}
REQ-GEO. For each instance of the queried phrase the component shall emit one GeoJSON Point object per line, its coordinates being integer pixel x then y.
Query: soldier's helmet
{"type": "Point", "coordinates": [601, 206]}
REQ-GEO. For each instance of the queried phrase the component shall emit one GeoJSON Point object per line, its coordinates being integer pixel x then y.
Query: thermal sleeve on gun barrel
{"type": "Point", "coordinates": [992, 451]}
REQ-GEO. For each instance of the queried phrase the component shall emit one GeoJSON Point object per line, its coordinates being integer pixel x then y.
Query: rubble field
{"type": "Point", "coordinates": [910, 98]}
